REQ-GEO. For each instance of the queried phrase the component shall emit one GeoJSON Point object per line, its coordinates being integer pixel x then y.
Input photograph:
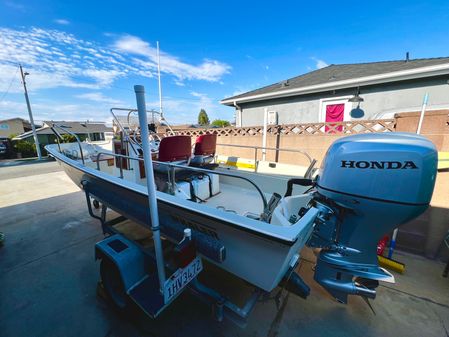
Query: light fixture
{"type": "Point", "coordinates": [356, 98]}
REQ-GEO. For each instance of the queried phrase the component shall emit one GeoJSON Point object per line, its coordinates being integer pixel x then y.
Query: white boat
{"type": "Point", "coordinates": [228, 205]}
{"type": "Point", "coordinates": [254, 225]}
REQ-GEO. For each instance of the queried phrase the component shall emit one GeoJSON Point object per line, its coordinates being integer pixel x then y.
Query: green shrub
{"type": "Point", "coordinates": [220, 123]}
{"type": "Point", "coordinates": [27, 149]}
{"type": "Point", "coordinates": [67, 138]}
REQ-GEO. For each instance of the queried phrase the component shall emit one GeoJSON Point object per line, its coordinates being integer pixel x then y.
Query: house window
{"type": "Point", "coordinates": [97, 136]}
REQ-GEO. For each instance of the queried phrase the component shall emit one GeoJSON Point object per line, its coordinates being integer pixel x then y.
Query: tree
{"type": "Point", "coordinates": [203, 118]}
{"type": "Point", "coordinates": [25, 148]}
{"type": "Point", "coordinates": [220, 123]}
{"type": "Point", "coordinates": [68, 138]}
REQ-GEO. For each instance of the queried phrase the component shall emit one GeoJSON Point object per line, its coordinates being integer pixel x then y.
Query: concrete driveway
{"type": "Point", "coordinates": [49, 281]}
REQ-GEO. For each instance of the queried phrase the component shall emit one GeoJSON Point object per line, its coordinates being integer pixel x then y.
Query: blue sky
{"type": "Point", "coordinates": [85, 56]}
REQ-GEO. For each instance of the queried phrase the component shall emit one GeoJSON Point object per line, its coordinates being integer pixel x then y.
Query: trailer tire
{"type": "Point", "coordinates": [113, 285]}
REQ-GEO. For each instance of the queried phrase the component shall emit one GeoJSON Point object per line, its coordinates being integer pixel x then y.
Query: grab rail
{"type": "Point", "coordinates": [197, 169]}
{"type": "Point", "coordinates": [133, 142]}
{"type": "Point", "coordinates": [311, 160]}
{"type": "Point", "coordinates": [121, 126]}
{"type": "Point", "coordinates": [70, 133]}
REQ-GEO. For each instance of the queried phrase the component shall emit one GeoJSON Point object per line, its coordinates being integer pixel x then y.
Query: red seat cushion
{"type": "Point", "coordinates": [175, 148]}
{"type": "Point", "coordinates": [205, 145]}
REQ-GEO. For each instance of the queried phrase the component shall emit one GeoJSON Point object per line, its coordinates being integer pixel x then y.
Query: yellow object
{"type": "Point", "coordinates": [443, 160]}
{"type": "Point", "coordinates": [391, 264]}
{"type": "Point", "coordinates": [236, 162]}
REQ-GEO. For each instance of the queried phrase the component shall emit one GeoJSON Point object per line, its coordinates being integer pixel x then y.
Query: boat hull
{"type": "Point", "coordinates": [259, 258]}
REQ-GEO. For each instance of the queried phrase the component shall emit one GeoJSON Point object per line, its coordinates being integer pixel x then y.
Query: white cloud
{"type": "Point", "coordinates": [177, 110]}
{"type": "Point", "coordinates": [59, 59]}
{"type": "Point", "coordinates": [98, 97]}
{"type": "Point", "coordinates": [198, 94]}
{"type": "Point", "coordinates": [185, 110]}
{"type": "Point", "coordinates": [208, 70]}
{"type": "Point", "coordinates": [319, 63]}
{"type": "Point", "coordinates": [204, 101]}
{"type": "Point", "coordinates": [11, 109]}
{"type": "Point", "coordinates": [53, 110]}
{"type": "Point", "coordinates": [9, 80]}
{"type": "Point", "coordinates": [103, 77]}
{"type": "Point", "coordinates": [63, 22]}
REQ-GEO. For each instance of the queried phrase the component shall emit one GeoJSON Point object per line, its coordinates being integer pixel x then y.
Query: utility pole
{"type": "Point", "coordinates": [36, 141]}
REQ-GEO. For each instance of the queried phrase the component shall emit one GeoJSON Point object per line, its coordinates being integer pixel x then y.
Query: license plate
{"type": "Point", "coordinates": [174, 285]}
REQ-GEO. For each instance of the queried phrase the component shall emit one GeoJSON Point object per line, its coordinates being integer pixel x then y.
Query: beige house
{"type": "Point", "coordinates": [13, 126]}
{"type": "Point", "coordinates": [94, 131]}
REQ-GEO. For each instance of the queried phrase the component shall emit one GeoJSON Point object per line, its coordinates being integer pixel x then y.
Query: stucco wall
{"type": "Point", "coordinates": [378, 101]}
{"type": "Point", "coordinates": [14, 126]}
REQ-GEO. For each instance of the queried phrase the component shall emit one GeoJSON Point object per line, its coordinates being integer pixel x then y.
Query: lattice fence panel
{"type": "Point", "coordinates": [348, 127]}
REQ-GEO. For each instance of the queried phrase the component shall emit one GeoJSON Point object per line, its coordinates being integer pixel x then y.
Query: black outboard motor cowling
{"type": "Point", "coordinates": [368, 185]}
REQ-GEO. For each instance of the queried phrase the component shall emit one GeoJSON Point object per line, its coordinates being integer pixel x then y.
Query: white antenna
{"type": "Point", "coordinates": [161, 116]}
{"type": "Point", "coordinates": [159, 79]}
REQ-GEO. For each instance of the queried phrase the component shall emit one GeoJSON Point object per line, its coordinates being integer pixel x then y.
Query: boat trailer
{"type": "Point", "coordinates": [128, 268]}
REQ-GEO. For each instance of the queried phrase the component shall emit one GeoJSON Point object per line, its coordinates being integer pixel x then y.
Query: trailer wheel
{"type": "Point", "coordinates": [96, 203]}
{"type": "Point", "coordinates": [113, 285]}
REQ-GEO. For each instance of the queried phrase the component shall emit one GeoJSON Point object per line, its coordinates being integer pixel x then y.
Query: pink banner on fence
{"type": "Point", "coordinates": [334, 113]}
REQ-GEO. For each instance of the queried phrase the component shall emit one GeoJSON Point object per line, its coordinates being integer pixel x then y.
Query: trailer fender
{"type": "Point", "coordinates": [126, 256]}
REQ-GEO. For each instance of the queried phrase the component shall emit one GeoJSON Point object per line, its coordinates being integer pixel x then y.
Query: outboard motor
{"type": "Point", "coordinates": [368, 185]}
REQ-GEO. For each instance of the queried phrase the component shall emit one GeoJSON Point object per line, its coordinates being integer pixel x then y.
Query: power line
{"type": "Point", "coordinates": [9, 86]}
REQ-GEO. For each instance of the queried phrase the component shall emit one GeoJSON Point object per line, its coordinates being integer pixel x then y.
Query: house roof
{"type": "Point", "coordinates": [13, 119]}
{"type": "Point", "coordinates": [338, 76]}
{"type": "Point", "coordinates": [75, 127]}
{"type": "Point", "coordinates": [80, 127]}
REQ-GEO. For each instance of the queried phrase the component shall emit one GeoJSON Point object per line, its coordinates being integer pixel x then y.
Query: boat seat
{"type": "Point", "coordinates": [173, 149]}
{"type": "Point", "coordinates": [204, 150]}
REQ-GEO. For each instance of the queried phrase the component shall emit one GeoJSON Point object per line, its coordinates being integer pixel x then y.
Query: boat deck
{"type": "Point", "coordinates": [236, 199]}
